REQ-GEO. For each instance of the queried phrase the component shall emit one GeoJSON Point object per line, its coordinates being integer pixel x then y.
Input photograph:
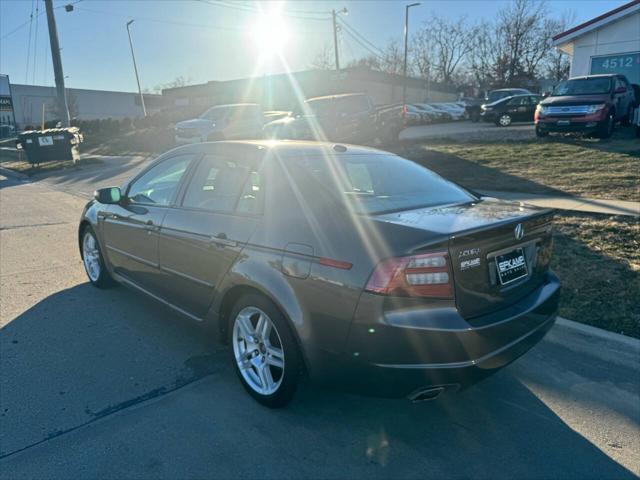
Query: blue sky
{"type": "Point", "coordinates": [201, 41]}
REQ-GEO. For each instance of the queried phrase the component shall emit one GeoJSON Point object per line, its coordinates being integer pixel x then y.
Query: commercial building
{"type": "Point", "coordinates": [284, 91]}
{"type": "Point", "coordinates": [609, 43]}
{"type": "Point", "coordinates": [28, 102]}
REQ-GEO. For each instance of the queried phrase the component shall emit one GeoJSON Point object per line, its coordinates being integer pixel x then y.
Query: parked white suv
{"type": "Point", "coordinates": [241, 121]}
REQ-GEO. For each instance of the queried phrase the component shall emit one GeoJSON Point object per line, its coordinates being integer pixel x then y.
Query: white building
{"type": "Point", "coordinates": [28, 101]}
{"type": "Point", "coordinates": [609, 43]}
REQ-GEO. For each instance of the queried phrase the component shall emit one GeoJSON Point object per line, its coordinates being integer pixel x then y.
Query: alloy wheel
{"type": "Point", "coordinates": [258, 350]}
{"type": "Point", "coordinates": [505, 120]}
{"type": "Point", "coordinates": [91, 256]}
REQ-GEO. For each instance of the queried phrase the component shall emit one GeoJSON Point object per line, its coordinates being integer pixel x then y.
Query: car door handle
{"type": "Point", "coordinates": [150, 227]}
{"type": "Point", "coordinates": [222, 241]}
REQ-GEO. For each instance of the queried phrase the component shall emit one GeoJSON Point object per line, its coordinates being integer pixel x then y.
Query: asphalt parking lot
{"type": "Point", "coordinates": [104, 383]}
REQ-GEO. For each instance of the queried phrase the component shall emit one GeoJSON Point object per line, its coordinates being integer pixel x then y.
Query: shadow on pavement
{"type": "Point", "coordinates": [83, 354]}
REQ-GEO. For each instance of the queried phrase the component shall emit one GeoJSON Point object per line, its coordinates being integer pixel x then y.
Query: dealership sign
{"type": "Point", "coordinates": [627, 64]}
{"type": "Point", "coordinates": [7, 115]}
{"type": "Point", "coordinates": [6, 104]}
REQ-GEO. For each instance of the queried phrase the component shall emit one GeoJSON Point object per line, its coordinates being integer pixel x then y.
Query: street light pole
{"type": "Point", "coordinates": [334, 16]}
{"type": "Point", "coordinates": [406, 41]}
{"type": "Point", "coordinates": [135, 68]}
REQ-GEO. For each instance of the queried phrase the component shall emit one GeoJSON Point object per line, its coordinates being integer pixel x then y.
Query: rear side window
{"type": "Point", "coordinates": [371, 184]}
{"type": "Point", "coordinates": [518, 101]}
{"type": "Point", "coordinates": [252, 196]}
{"type": "Point", "coordinates": [216, 184]}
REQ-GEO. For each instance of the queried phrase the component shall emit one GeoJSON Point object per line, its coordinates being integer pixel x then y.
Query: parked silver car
{"type": "Point", "coordinates": [240, 121]}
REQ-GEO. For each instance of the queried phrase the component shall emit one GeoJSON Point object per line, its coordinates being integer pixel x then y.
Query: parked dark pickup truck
{"type": "Point", "coordinates": [591, 104]}
{"type": "Point", "coordinates": [349, 117]}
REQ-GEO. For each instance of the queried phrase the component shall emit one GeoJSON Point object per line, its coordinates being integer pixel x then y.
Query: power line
{"type": "Point", "coordinates": [25, 23]}
{"type": "Point", "coordinates": [298, 14]}
{"type": "Point", "coordinates": [158, 20]}
{"type": "Point", "coordinates": [166, 21]}
{"type": "Point", "coordinates": [352, 31]}
{"type": "Point", "coordinates": [26, 73]}
{"type": "Point", "coordinates": [365, 46]}
{"type": "Point", "coordinates": [35, 44]}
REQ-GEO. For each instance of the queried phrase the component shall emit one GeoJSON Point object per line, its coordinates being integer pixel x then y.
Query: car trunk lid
{"type": "Point", "coordinates": [499, 250]}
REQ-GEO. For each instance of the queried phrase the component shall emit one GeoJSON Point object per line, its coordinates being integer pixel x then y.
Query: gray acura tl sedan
{"type": "Point", "coordinates": [351, 265]}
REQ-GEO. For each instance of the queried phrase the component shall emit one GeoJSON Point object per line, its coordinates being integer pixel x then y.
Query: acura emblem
{"type": "Point", "coordinates": [519, 232]}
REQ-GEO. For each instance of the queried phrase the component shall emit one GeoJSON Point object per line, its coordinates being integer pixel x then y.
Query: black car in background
{"type": "Point", "coordinates": [518, 108]}
{"type": "Point", "coordinates": [474, 108]}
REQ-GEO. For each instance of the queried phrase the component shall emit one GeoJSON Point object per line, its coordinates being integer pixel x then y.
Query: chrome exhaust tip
{"type": "Point", "coordinates": [426, 394]}
{"type": "Point", "coordinates": [431, 393]}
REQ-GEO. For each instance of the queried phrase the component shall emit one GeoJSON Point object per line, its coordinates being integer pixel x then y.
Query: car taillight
{"type": "Point", "coordinates": [425, 275]}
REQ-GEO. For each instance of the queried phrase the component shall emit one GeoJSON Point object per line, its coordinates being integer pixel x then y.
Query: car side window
{"type": "Point", "coordinates": [216, 184]}
{"type": "Point", "coordinates": [518, 101]}
{"type": "Point", "coordinates": [158, 185]}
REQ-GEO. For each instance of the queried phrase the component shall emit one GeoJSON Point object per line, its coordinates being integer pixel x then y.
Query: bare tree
{"type": "Point", "coordinates": [453, 41]}
{"type": "Point", "coordinates": [324, 60]}
{"type": "Point", "coordinates": [486, 50]}
{"type": "Point", "coordinates": [522, 28]}
{"type": "Point", "coordinates": [557, 63]}
{"type": "Point", "coordinates": [370, 62]}
{"type": "Point", "coordinates": [423, 55]}
{"type": "Point", "coordinates": [392, 59]}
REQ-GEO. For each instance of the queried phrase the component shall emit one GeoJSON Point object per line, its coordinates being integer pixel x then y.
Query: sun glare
{"type": "Point", "coordinates": [270, 33]}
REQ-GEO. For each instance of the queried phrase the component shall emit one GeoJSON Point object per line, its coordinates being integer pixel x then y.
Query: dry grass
{"type": "Point", "coordinates": [598, 261]}
{"type": "Point", "coordinates": [575, 166]}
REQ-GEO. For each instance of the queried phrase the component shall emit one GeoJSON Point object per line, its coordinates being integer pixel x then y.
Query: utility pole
{"type": "Point", "coordinates": [135, 68]}
{"type": "Point", "coordinates": [334, 16]}
{"type": "Point", "coordinates": [335, 39]}
{"type": "Point", "coordinates": [406, 41]}
{"type": "Point", "coordinates": [63, 107]}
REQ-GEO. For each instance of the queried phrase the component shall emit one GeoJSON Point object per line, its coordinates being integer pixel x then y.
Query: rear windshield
{"type": "Point", "coordinates": [585, 86]}
{"type": "Point", "coordinates": [372, 184]}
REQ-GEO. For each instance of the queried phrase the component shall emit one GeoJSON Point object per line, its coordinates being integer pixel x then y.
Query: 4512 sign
{"type": "Point", "coordinates": [627, 64]}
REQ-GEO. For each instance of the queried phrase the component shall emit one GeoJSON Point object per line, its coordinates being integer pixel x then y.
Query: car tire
{"type": "Point", "coordinates": [607, 127]}
{"type": "Point", "coordinates": [503, 120]}
{"type": "Point", "coordinates": [93, 261]}
{"type": "Point", "coordinates": [628, 118]}
{"type": "Point", "coordinates": [264, 351]}
{"type": "Point", "coordinates": [541, 133]}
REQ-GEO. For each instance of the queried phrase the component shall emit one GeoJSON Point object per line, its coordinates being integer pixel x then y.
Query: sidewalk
{"type": "Point", "coordinates": [577, 204]}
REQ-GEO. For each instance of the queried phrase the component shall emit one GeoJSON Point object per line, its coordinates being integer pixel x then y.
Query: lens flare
{"type": "Point", "coordinates": [270, 33]}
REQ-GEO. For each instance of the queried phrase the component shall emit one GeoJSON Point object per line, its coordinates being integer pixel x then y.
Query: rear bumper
{"type": "Point", "coordinates": [396, 353]}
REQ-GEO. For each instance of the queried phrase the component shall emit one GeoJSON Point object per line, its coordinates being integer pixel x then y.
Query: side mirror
{"type": "Point", "coordinates": [108, 195]}
{"type": "Point", "coordinates": [621, 90]}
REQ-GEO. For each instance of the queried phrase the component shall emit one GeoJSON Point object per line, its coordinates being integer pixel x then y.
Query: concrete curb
{"type": "Point", "coordinates": [11, 173]}
{"type": "Point", "coordinates": [598, 333]}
